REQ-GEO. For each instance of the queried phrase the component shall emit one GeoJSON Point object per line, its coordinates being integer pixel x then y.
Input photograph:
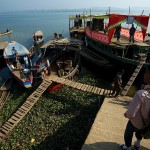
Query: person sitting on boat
{"type": "Point", "coordinates": [56, 36]}
{"type": "Point", "coordinates": [7, 30]}
{"type": "Point", "coordinates": [14, 51]}
{"type": "Point", "coordinates": [132, 31]}
{"type": "Point", "coordinates": [117, 83]}
{"type": "Point", "coordinates": [26, 61]}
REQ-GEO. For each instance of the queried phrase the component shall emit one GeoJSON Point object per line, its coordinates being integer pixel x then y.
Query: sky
{"type": "Point", "coordinates": [12, 5]}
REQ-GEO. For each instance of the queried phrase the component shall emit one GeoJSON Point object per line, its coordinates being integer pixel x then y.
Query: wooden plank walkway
{"type": "Point", "coordinates": [108, 128]}
{"type": "Point", "coordinates": [23, 110]}
{"type": "Point", "coordinates": [80, 86]}
{"type": "Point", "coordinates": [5, 91]}
{"type": "Point", "coordinates": [134, 75]}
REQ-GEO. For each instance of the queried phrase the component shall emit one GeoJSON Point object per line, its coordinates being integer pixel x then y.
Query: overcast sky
{"type": "Point", "coordinates": [8, 5]}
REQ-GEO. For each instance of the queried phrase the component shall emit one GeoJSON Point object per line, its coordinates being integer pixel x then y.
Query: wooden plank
{"type": "Point", "coordinates": [86, 86]}
{"type": "Point", "coordinates": [6, 127]}
{"type": "Point", "coordinates": [4, 131]}
{"type": "Point", "coordinates": [93, 89]}
{"type": "Point", "coordinates": [102, 91]}
{"type": "Point", "coordinates": [18, 113]}
{"type": "Point", "coordinates": [75, 85]}
{"type": "Point", "coordinates": [81, 86]}
{"type": "Point", "coordinates": [14, 118]}
{"type": "Point", "coordinates": [88, 89]}
{"type": "Point", "coordinates": [68, 82]}
{"type": "Point", "coordinates": [17, 116]}
{"type": "Point", "coordinates": [24, 108]}
{"type": "Point", "coordinates": [8, 124]}
{"type": "Point", "coordinates": [72, 83]}
{"type": "Point", "coordinates": [2, 135]}
{"type": "Point", "coordinates": [98, 90]}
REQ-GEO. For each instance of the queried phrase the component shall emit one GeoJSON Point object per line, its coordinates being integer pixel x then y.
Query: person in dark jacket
{"type": "Point", "coordinates": [117, 83]}
{"type": "Point", "coordinates": [132, 31]}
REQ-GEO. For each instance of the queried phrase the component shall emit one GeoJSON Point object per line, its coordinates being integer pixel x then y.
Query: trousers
{"type": "Point", "coordinates": [128, 134]}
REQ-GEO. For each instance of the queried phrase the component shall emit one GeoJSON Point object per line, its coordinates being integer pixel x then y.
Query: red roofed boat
{"type": "Point", "coordinates": [99, 33]}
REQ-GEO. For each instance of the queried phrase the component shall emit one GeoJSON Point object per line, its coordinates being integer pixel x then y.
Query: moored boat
{"type": "Point", "coordinates": [6, 33]}
{"type": "Point", "coordinates": [63, 58]}
{"type": "Point", "coordinates": [95, 59]}
{"type": "Point", "coordinates": [18, 62]}
{"type": "Point", "coordinates": [99, 35]}
{"type": "Point", "coordinates": [38, 37]}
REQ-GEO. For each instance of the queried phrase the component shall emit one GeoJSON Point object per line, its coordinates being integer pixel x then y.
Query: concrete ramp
{"type": "Point", "coordinates": [108, 128]}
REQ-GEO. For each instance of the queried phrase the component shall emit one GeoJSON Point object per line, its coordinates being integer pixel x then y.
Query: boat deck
{"type": "Point", "coordinates": [3, 45]}
{"type": "Point", "coordinates": [74, 29]}
{"type": "Point", "coordinates": [108, 128]}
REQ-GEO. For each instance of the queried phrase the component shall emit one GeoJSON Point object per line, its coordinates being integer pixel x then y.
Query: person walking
{"type": "Point", "coordinates": [132, 31]}
{"type": "Point", "coordinates": [138, 113]}
{"type": "Point", "coordinates": [117, 83]}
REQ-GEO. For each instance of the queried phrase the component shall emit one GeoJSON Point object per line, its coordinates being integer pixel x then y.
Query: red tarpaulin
{"type": "Point", "coordinates": [114, 20]}
{"type": "Point", "coordinates": [143, 20]}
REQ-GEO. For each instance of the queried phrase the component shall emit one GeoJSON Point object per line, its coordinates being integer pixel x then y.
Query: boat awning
{"type": "Point", "coordinates": [38, 33]}
{"type": "Point", "coordinates": [21, 50]}
{"type": "Point", "coordinates": [97, 16]}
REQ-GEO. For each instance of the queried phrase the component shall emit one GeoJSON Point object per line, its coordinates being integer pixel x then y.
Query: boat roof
{"type": "Point", "coordinates": [21, 50]}
{"type": "Point", "coordinates": [61, 42]}
{"type": "Point", "coordinates": [37, 33]}
{"type": "Point", "coordinates": [85, 16]}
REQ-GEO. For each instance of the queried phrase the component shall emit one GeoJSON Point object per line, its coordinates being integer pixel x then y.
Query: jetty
{"type": "Point", "coordinates": [107, 131]}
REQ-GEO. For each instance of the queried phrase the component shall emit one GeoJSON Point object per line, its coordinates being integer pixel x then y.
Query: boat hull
{"type": "Point", "coordinates": [115, 59]}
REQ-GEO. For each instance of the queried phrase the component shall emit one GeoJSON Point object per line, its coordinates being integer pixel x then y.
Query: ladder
{"type": "Point", "coordinates": [134, 75]}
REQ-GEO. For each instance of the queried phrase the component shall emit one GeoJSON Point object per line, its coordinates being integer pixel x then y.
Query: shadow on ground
{"type": "Point", "coordinates": [106, 146]}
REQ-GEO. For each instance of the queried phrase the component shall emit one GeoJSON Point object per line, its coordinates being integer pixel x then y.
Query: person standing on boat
{"type": "Point", "coordinates": [76, 21]}
{"type": "Point", "coordinates": [117, 83]}
{"type": "Point", "coordinates": [117, 32]}
{"type": "Point", "coordinates": [138, 113]}
{"type": "Point", "coordinates": [132, 31]}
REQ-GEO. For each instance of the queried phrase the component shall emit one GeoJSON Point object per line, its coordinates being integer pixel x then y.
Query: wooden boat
{"type": "Point", "coordinates": [95, 59]}
{"type": "Point", "coordinates": [18, 63]}
{"type": "Point", "coordinates": [99, 33]}
{"type": "Point", "coordinates": [6, 33]}
{"type": "Point", "coordinates": [77, 30]}
{"type": "Point", "coordinates": [63, 58]}
{"type": "Point", "coordinates": [38, 37]}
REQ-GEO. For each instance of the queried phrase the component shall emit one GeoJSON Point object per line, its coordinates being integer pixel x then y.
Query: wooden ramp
{"type": "Point", "coordinates": [107, 131]}
{"type": "Point", "coordinates": [23, 110]}
{"type": "Point", "coordinates": [134, 75]}
{"type": "Point", "coordinates": [80, 86]}
{"type": "Point", "coordinates": [5, 91]}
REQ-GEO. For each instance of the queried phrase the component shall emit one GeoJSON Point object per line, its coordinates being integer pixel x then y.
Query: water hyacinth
{"type": "Point", "coordinates": [60, 118]}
